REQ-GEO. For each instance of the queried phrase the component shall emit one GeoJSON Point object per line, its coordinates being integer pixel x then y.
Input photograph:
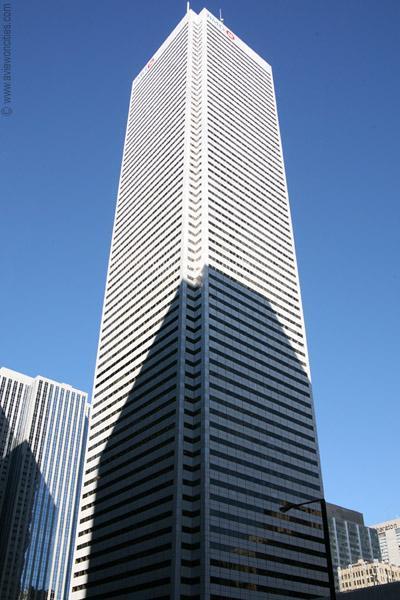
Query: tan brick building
{"type": "Point", "coordinates": [367, 573]}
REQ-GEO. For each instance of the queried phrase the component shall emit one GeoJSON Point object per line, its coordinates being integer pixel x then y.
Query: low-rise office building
{"type": "Point", "coordinates": [365, 574]}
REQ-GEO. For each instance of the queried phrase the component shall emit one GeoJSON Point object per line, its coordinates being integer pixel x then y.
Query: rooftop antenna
{"type": "Point", "coordinates": [220, 15]}
{"type": "Point", "coordinates": [187, 7]}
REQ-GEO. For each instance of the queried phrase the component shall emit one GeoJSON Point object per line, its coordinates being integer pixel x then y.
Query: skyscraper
{"type": "Point", "coordinates": [202, 423]}
{"type": "Point", "coordinates": [43, 429]}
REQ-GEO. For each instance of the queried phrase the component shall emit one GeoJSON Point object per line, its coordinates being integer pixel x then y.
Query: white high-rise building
{"type": "Point", "coordinates": [202, 422]}
{"type": "Point", "coordinates": [389, 540]}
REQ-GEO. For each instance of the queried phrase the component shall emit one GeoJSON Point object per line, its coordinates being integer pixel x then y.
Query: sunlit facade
{"type": "Point", "coordinates": [389, 540]}
{"type": "Point", "coordinates": [366, 574]}
{"type": "Point", "coordinates": [202, 422]}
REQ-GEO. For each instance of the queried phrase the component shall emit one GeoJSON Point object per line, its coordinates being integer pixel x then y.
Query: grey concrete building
{"type": "Point", "coordinates": [202, 423]}
{"type": "Point", "coordinates": [351, 540]}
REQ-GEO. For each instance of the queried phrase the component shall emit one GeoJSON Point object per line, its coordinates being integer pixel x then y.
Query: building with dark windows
{"type": "Point", "coordinates": [351, 540]}
{"type": "Point", "coordinates": [202, 422]}
{"type": "Point", "coordinates": [387, 591]}
{"type": "Point", "coordinates": [43, 431]}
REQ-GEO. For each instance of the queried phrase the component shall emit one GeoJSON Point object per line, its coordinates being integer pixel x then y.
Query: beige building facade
{"type": "Point", "coordinates": [389, 540]}
{"type": "Point", "coordinates": [366, 574]}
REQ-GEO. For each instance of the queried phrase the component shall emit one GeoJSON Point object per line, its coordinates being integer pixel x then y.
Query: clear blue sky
{"type": "Point", "coordinates": [336, 68]}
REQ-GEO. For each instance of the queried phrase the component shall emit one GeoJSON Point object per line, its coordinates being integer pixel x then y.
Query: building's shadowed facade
{"type": "Point", "coordinates": [216, 434]}
{"type": "Point", "coordinates": [19, 480]}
